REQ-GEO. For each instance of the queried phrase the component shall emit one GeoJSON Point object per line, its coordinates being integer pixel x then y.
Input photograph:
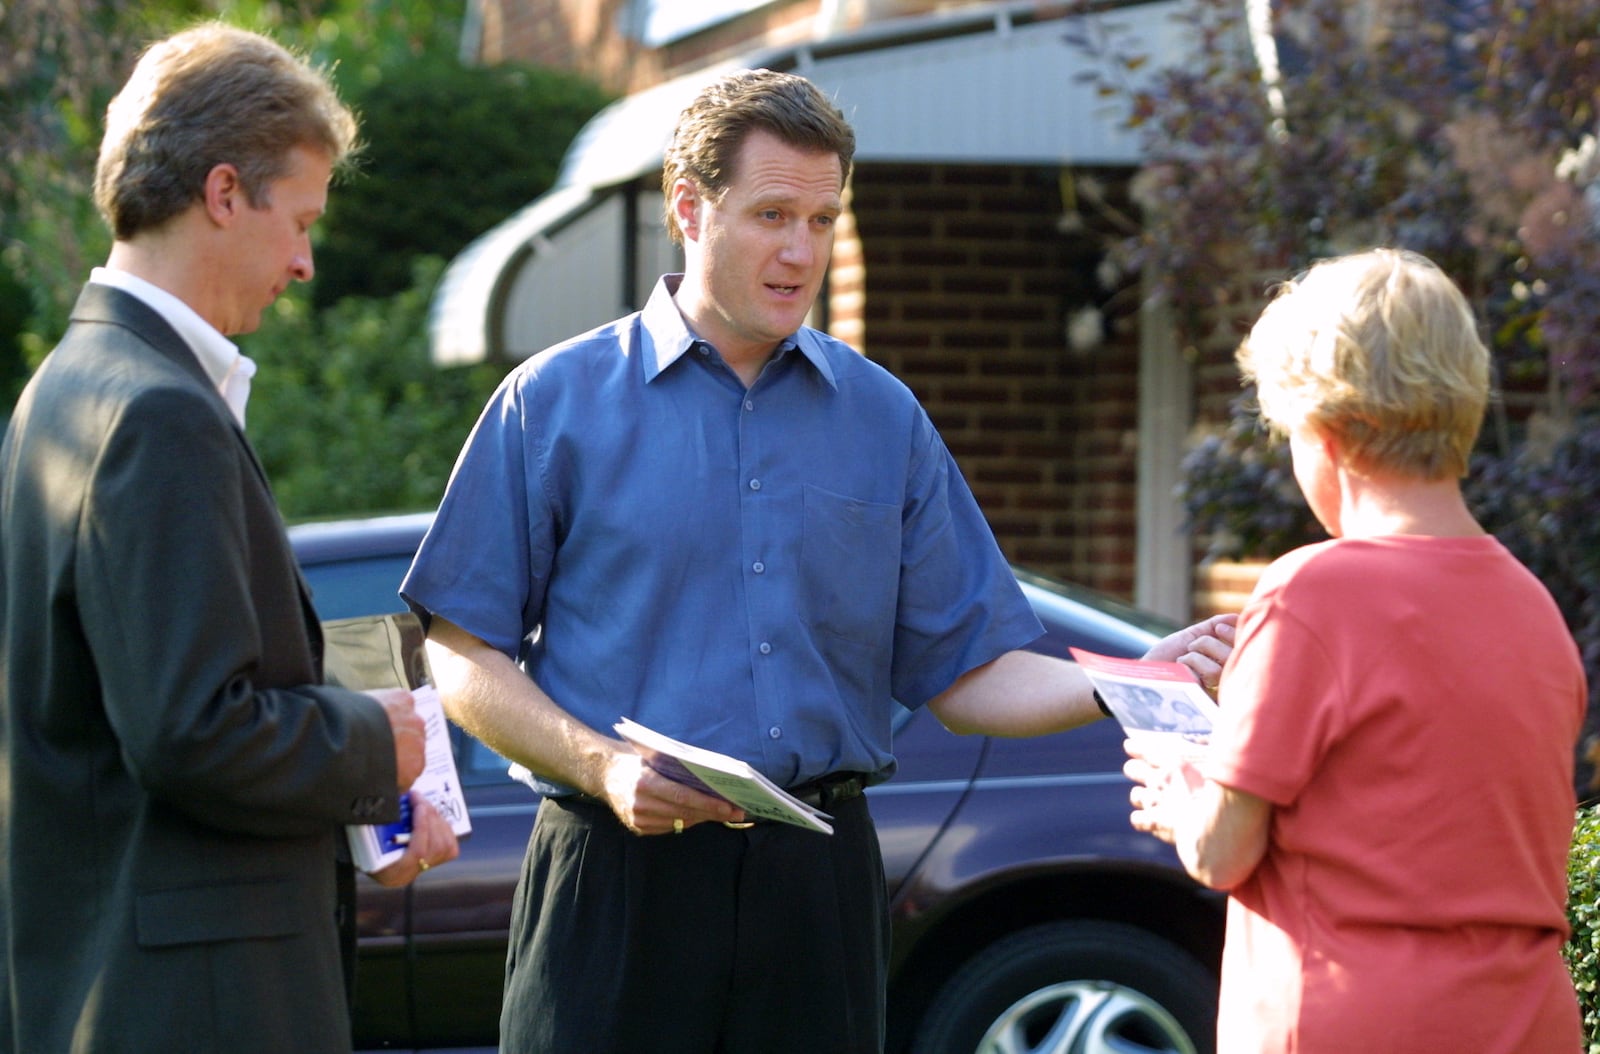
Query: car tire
{"type": "Point", "coordinates": [1066, 987]}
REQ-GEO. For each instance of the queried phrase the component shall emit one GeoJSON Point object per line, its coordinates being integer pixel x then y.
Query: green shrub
{"type": "Point", "coordinates": [1583, 912]}
{"type": "Point", "coordinates": [348, 413]}
{"type": "Point", "coordinates": [450, 152]}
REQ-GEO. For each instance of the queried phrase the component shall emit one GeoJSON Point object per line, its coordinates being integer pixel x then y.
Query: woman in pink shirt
{"type": "Point", "coordinates": [1388, 794]}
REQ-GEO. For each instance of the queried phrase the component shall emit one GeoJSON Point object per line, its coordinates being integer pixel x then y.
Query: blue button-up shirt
{"type": "Point", "coordinates": [760, 572]}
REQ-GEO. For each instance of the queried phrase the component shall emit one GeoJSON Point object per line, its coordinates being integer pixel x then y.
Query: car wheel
{"type": "Point", "coordinates": [1075, 988]}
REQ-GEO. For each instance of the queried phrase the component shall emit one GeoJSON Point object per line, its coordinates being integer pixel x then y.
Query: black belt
{"type": "Point", "coordinates": [823, 792]}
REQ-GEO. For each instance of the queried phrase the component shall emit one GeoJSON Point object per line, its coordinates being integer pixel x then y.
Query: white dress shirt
{"type": "Point", "coordinates": [229, 370]}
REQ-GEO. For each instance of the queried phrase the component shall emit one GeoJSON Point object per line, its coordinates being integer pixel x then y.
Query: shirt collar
{"type": "Point", "coordinates": [218, 355]}
{"type": "Point", "coordinates": [670, 337]}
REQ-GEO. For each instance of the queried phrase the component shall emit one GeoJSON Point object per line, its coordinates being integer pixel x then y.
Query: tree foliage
{"type": "Point", "coordinates": [450, 152]}
{"type": "Point", "coordinates": [1582, 949]}
{"type": "Point", "coordinates": [62, 60]}
{"type": "Point", "coordinates": [1462, 129]}
{"type": "Point", "coordinates": [348, 414]}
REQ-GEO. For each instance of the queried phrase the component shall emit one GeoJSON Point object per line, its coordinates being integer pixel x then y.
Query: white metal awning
{"type": "Point", "coordinates": [987, 84]}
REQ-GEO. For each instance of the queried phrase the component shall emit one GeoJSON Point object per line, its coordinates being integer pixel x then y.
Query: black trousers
{"type": "Point", "coordinates": [768, 940]}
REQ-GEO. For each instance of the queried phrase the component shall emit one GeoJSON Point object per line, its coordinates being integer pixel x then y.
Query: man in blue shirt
{"type": "Point", "coordinates": [740, 532]}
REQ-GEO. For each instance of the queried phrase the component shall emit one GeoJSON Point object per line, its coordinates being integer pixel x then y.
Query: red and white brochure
{"type": "Point", "coordinates": [1152, 699]}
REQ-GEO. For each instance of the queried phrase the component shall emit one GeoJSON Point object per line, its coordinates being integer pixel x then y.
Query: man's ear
{"type": "Point", "coordinates": [686, 201]}
{"type": "Point", "coordinates": [224, 194]}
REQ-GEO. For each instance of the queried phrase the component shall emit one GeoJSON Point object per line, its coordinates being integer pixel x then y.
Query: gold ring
{"type": "Point", "coordinates": [677, 825]}
{"type": "Point", "coordinates": [423, 865]}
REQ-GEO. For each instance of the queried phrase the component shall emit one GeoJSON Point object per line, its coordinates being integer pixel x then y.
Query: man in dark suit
{"type": "Point", "coordinates": [173, 775]}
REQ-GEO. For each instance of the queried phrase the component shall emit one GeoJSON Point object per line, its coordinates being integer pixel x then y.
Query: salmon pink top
{"type": "Point", "coordinates": [1410, 706]}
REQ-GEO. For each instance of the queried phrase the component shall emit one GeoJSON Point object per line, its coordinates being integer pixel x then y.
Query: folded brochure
{"type": "Point", "coordinates": [386, 651]}
{"type": "Point", "coordinates": [1151, 698]}
{"type": "Point", "coordinates": [720, 775]}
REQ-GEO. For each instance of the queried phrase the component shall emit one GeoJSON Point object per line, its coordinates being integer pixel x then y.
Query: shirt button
{"type": "Point", "coordinates": [758, 567]}
{"type": "Point", "coordinates": [749, 404]}
{"type": "Point", "coordinates": [774, 732]}
{"type": "Point", "coordinates": [765, 648]}
{"type": "Point", "coordinates": [755, 484]}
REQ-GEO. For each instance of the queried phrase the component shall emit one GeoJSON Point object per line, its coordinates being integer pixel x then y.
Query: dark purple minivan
{"type": "Point", "coordinates": [1028, 915]}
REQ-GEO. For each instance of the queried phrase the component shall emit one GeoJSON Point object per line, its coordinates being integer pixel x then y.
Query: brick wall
{"type": "Point", "coordinates": [577, 35]}
{"type": "Point", "coordinates": [583, 36]}
{"type": "Point", "coordinates": [961, 285]}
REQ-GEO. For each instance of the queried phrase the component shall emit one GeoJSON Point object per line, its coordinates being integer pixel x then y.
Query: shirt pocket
{"type": "Point", "coordinates": [850, 566]}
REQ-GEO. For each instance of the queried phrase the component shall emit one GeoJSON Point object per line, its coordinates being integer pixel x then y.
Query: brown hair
{"type": "Point", "coordinates": [211, 95]}
{"type": "Point", "coordinates": [713, 127]}
{"type": "Point", "coordinates": [1380, 350]}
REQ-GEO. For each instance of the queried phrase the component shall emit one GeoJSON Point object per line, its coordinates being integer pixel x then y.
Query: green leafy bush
{"type": "Point", "coordinates": [348, 413]}
{"type": "Point", "coordinates": [1582, 951]}
{"type": "Point", "coordinates": [450, 152]}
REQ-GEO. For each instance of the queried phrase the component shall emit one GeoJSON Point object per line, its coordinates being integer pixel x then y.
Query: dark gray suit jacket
{"type": "Point", "coordinates": [172, 776]}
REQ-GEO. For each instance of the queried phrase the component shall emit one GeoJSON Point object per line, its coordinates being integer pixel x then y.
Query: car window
{"type": "Point", "coordinates": [1053, 592]}
{"type": "Point", "coordinates": [354, 587]}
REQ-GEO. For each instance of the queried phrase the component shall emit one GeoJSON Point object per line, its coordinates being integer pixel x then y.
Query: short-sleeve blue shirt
{"type": "Point", "coordinates": [761, 572]}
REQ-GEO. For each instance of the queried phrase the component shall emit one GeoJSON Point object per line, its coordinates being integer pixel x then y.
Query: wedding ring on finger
{"type": "Point", "coordinates": [423, 865]}
{"type": "Point", "coordinates": [677, 825]}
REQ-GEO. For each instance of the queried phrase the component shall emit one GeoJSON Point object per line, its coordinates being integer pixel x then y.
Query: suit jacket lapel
{"type": "Point", "coordinates": [105, 304]}
{"type": "Point", "coordinates": [102, 303]}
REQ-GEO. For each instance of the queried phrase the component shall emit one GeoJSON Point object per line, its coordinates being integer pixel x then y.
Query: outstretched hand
{"type": "Point", "coordinates": [1203, 647]}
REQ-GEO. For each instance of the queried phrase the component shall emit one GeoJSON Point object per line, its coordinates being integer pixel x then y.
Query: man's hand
{"type": "Point", "coordinates": [410, 733]}
{"type": "Point", "coordinates": [432, 843]}
{"type": "Point", "coordinates": [649, 803]}
{"type": "Point", "coordinates": [1202, 647]}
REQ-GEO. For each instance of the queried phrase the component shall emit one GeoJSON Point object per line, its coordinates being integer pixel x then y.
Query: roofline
{"type": "Point", "coordinates": [997, 18]}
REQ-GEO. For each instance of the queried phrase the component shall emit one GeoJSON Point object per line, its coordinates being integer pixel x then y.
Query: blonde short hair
{"type": "Point", "coordinates": [1380, 351]}
{"type": "Point", "coordinates": [211, 95]}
